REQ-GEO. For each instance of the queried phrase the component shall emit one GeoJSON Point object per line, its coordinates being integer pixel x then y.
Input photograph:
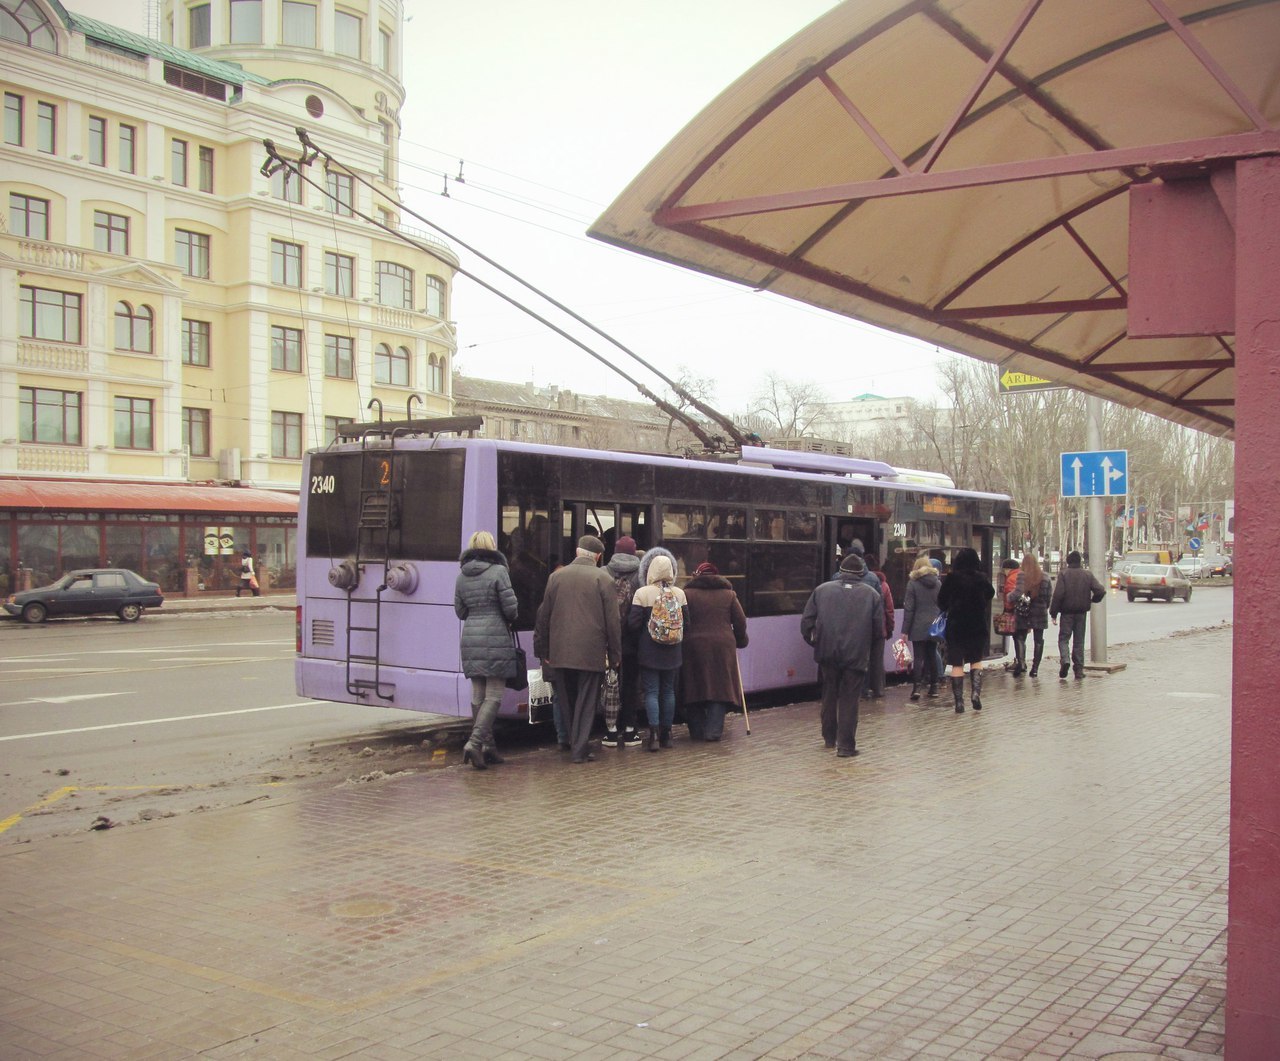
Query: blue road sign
{"type": "Point", "coordinates": [1101, 473]}
{"type": "Point", "coordinates": [1194, 545]}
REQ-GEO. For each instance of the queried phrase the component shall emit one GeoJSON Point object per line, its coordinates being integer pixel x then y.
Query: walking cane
{"type": "Point", "coordinates": [745, 717]}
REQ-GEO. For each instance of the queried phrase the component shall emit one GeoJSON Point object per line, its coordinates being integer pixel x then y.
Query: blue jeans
{"type": "Point", "coordinates": [658, 692]}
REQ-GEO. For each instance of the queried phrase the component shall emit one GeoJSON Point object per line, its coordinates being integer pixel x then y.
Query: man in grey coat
{"type": "Point", "coordinates": [841, 621]}
{"type": "Point", "coordinates": [578, 634]}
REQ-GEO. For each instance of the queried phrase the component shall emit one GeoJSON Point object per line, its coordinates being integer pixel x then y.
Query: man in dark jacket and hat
{"type": "Point", "coordinates": [1075, 592]}
{"type": "Point", "coordinates": [841, 620]}
{"type": "Point", "coordinates": [578, 635]}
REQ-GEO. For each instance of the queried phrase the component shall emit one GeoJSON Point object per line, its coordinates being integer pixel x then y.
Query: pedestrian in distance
{"type": "Point", "coordinates": [485, 601]}
{"type": "Point", "coordinates": [248, 576]}
{"type": "Point", "coordinates": [841, 620]}
{"type": "Point", "coordinates": [1031, 595]}
{"type": "Point", "coordinates": [875, 673]}
{"type": "Point", "coordinates": [920, 608]}
{"type": "Point", "coordinates": [659, 616]}
{"type": "Point", "coordinates": [965, 596]}
{"type": "Point", "coordinates": [1075, 593]}
{"type": "Point", "coordinates": [710, 679]}
{"type": "Point", "coordinates": [1006, 622]}
{"type": "Point", "coordinates": [577, 636]}
{"type": "Point", "coordinates": [624, 568]}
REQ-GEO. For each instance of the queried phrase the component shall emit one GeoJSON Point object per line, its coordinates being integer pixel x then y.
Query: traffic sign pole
{"type": "Point", "coordinates": [1097, 553]}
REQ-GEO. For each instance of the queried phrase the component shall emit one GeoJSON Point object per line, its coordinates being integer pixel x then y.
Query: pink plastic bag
{"type": "Point", "coordinates": [902, 654]}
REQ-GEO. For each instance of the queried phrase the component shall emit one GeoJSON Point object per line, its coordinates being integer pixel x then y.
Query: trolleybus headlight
{"type": "Point", "coordinates": [403, 578]}
{"type": "Point", "coordinates": [345, 575]}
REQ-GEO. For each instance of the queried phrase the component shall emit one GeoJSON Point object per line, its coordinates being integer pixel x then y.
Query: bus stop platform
{"type": "Point", "coordinates": [1044, 879]}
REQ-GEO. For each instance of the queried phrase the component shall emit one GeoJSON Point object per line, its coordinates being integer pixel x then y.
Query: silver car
{"type": "Point", "coordinates": [1165, 581]}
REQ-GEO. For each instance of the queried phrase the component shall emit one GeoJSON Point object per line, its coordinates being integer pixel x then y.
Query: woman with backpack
{"type": "Point", "coordinates": [659, 614]}
{"type": "Point", "coordinates": [1030, 597]}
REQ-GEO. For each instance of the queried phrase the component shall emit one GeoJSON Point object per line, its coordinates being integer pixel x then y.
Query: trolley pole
{"type": "Point", "coordinates": [1099, 541]}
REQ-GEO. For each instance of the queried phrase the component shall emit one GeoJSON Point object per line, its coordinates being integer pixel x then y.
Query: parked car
{"type": "Point", "coordinates": [92, 591]}
{"type": "Point", "coordinates": [1222, 567]}
{"type": "Point", "coordinates": [1165, 581]}
{"type": "Point", "coordinates": [1118, 572]}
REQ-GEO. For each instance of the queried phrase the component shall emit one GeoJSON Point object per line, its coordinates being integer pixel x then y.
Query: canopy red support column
{"type": "Point", "coordinates": [1253, 910]}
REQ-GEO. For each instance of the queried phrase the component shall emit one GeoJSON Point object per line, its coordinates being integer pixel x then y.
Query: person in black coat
{"type": "Point", "coordinates": [966, 598]}
{"type": "Point", "coordinates": [485, 602]}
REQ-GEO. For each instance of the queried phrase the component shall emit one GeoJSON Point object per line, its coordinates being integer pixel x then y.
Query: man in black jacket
{"type": "Point", "coordinates": [1074, 593]}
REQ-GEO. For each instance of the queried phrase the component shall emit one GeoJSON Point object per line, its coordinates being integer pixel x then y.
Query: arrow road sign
{"type": "Point", "coordinates": [1100, 473]}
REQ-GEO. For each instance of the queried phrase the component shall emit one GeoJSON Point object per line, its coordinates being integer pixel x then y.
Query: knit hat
{"type": "Point", "coordinates": [625, 544]}
{"type": "Point", "coordinates": [591, 543]}
{"type": "Point", "coordinates": [937, 564]}
{"type": "Point", "coordinates": [857, 547]}
{"type": "Point", "coordinates": [853, 564]}
{"type": "Point", "coordinates": [706, 569]}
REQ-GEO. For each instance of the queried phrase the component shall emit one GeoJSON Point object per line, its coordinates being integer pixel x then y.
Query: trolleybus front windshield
{"type": "Point", "coordinates": [425, 492]}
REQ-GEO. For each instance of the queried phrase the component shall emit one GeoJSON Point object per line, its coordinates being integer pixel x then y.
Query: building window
{"type": "Point", "coordinates": [388, 141]}
{"type": "Point", "coordinates": [341, 195]}
{"type": "Point", "coordinates": [97, 141]}
{"type": "Point", "coordinates": [192, 253]}
{"type": "Point", "coordinates": [28, 216]}
{"type": "Point", "coordinates": [49, 416]}
{"type": "Point", "coordinates": [196, 336]}
{"type": "Point", "coordinates": [384, 50]}
{"type": "Point", "coordinates": [24, 23]}
{"type": "Point", "coordinates": [435, 374]}
{"type": "Point", "coordinates": [286, 185]}
{"type": "Point", "coordinates": [435, 296]}
{"type": "Point", "coordinates": [199, 29]}
{"type": "Point", "coordinates": [391, 367]}
{"type": "Point", "coordinates": [286, 435]}
{"type": "Point", "coordinates": [196, 431]}
{"type": "Point", "coordinates": [126, 148]}
{"type": "Point", "coordinates": [133, 422]}
{"type": "Point", "coordinates": [346, 34]}
{"type": "Point", "coordinates": [12, 119]}
{"type": "Point", "coordinates": [246, 21]}
{"type": "Point", "coordinates": [299, 24]}
{"type": "Point", "coordinates": [395, 285]}
{"type": "Point", "coordinates": [47, 128]}
{"type": "Point", "coordinates": [286, 263]}
{"type": "Point", "coordinates": [339, 353]}
{"type": "Point", "coordinates": [286, 349]}
{"type": "Point", "coordinates": [110, 232]}
{"type": "Point", "coordinates": [331, 425]}
{"type": "Point", "coordinates": [178, 162]}
{"type": "Point", "coordinates": [47, 314]}
{"type": "Point", "coordinates": [134, 328]}
{"type": "Point", "coordinates": [205, 169]}
{"type": "Point", "coordinates": [339, 274]}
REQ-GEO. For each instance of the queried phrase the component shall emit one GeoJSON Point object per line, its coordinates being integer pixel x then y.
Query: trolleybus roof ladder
{"type": "Point", "coordinates": [381, 506]}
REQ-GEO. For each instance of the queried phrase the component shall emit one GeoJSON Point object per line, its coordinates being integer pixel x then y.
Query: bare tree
{"type": "Point", "coordinates": [792, 405]}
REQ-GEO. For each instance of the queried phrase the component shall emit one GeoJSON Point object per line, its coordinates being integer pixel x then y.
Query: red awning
{"type": "Point", "coordinates": [61, 495]}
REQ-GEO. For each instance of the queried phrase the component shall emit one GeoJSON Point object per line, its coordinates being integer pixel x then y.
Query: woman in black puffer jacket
{"type": "Point", "coordinates": [485, 602]}
{"type": "Point", "coordinates": [966, 598]}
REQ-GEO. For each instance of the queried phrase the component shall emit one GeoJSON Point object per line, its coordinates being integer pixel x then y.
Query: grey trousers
{"type": "Point", "coordinates": [579, 693]}
{"type": "Point", "coordinates": [841, 690]}
{"type": "Point", "coordinates": [1071, 637]}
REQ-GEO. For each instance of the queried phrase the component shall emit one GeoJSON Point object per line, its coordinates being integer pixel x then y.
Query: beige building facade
{"type": "Point", "coordinates": [172, 311]}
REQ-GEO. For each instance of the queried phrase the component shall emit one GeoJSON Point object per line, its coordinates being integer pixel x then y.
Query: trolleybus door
{"type": "Point", "coordinates": [607, 520]}
{"type": "Point", "coordinates": [842, 531]}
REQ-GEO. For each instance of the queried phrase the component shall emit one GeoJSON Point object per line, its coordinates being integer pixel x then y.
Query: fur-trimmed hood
{"type": "Point", "coordinates": [473, 561]}
{"type": "Point", "coordinates": [650, 556]}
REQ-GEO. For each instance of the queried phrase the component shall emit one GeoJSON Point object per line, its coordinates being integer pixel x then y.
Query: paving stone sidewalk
{"type": "Point", "coordinates": [1044, 879]}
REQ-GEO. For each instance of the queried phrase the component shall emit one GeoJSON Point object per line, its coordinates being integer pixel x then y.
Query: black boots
{"type": "Point", "coordinates": [664, 737]}
{"type": "Point", "coordinates": [1035, 663]}
{"type": "Point", "coordinates": [957, 691]}
{"type": "Point", "coordinates": [1019, 657]}
{"type": "Point", "coordinates": [652, 743]}
{"type": "Point", "coordinates": [915, 691]}
{"type": "Point", "coordinates": [975, 676]}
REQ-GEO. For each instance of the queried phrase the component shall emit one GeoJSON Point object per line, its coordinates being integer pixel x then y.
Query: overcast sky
{"type": "Point", "coordinates": [549, 110]}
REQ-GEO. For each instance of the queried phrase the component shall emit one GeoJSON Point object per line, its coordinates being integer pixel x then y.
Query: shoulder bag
{"type": "Point", "coordinates": [519, 680]}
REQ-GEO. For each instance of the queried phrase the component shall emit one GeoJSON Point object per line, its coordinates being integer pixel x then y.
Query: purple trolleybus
{"type": "Point", "coordinates": [386, 511]}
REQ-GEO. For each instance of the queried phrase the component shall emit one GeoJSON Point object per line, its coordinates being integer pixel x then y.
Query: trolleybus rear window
{"type": "Point", "coordinates": [425, 491]}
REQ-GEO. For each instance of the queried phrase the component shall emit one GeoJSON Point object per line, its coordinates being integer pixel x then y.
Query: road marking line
{"type": "Point", "coordinates": [157, 721]}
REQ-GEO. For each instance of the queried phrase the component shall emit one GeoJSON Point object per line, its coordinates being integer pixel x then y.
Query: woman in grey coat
{"type": "Point", "coordinates": [920, 610]}
{"type": "Point", "coordinates": [485, 602]}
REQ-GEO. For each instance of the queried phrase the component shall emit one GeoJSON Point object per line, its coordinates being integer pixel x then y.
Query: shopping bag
{"type": "Point", "coordinates": [902, 653]}
{"type": "Point", "coordinates": [938, 629]}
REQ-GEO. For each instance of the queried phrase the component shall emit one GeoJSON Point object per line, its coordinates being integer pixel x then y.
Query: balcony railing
{"type": "Point", "coordinates": [50, 255]}
{"type": "Point", "coordinates": [58, 357]}
{"type": "Point", "coordinates": [52, 459]}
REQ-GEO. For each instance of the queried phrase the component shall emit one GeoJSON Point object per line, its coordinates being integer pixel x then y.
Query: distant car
{"type": "Point", "coordinates": [1118, 572]}
{"type": "Point", "coordinates": [1194, 566]}
{"type": "Point", "coordinates": [93, 591]}
{"type": "Point", "coordinates": [1165, 581]}
{"type": "Point", "coordinates": [1222, 567]}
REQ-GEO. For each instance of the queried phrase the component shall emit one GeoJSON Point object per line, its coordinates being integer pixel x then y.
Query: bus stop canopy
{"type": "Point", "coordinates": [969, 171]}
